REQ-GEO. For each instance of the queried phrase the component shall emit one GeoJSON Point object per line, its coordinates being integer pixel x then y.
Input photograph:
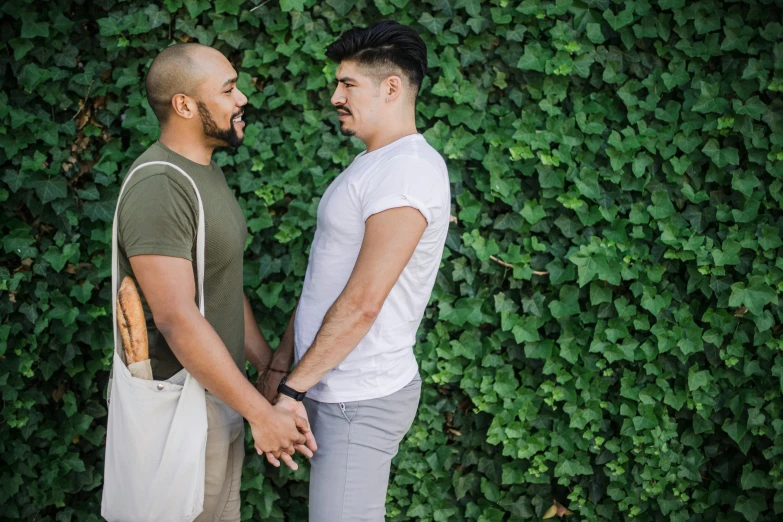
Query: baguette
{"type": "Point", "coordinates": [133, 327]}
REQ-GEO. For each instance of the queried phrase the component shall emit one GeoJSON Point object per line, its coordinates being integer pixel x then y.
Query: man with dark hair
{"type": "Point", "coordinates": [381, 229]}
{"type": "Point", "coordinates": [192, 90]}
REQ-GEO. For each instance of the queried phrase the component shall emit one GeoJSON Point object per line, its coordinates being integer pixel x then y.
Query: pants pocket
{"type": "Point", "coordinates": [349, 410]}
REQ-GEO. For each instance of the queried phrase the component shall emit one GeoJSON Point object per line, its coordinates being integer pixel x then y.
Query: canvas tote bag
{"type": "Point", "coordinates": [157, 430]}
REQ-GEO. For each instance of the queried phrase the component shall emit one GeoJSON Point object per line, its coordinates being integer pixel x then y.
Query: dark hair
{"type": "Point", "coordinates": [387, 45]}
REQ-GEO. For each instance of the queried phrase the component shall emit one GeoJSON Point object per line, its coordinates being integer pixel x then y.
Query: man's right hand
{"type": "Point", "coordinates": [279, 435]}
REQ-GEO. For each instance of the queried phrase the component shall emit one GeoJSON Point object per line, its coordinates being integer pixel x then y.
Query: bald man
{"type": "Point", "coordinates": [192, 91]}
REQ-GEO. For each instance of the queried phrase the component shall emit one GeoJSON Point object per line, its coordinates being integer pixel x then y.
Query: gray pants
{"type": "Point", "coordinates": [349, 474]}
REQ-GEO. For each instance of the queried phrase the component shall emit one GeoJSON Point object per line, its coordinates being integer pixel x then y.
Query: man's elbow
{"type": "Point", "coordinates": [369, 313]}
{"type": "Point", "coordinates": [365, 308]}
{"type": "Point", "coordinates": [169, 321]}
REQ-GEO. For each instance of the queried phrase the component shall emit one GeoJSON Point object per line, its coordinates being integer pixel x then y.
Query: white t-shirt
{"type": "Point", "coordinates": [405, 173]}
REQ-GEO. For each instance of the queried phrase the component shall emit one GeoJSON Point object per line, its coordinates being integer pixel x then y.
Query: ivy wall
{"type": "Point", "coordinates": [606, 326]}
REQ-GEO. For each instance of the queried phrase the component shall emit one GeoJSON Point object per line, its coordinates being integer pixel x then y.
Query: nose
{"type": "Point", "coordinates": [241, 99]}
{"type": "Point", "coordinates": [338, 98]}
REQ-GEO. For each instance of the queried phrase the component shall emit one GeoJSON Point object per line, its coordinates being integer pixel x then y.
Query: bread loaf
{"type": "Point", "coordinates": [133, 327]}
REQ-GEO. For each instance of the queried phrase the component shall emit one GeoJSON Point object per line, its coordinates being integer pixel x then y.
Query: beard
{"type": "Point", "coordinates": [343, 129]}
{"type": "Point", "coordinates": [227, 137]}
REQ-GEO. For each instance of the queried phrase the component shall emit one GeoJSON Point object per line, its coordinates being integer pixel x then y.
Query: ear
{"type": "Point", "coordinates": [184, 106]}
{"type": "Point", "coordinates": [392, 88]}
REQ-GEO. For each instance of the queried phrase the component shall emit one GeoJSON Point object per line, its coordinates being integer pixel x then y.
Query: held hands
{"type": "Point", "coordinates": [281, 434]}
{"type": "Point", "coordinates": [288, 405]}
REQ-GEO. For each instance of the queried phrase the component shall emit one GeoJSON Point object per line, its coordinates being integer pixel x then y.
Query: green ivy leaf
{"type": "Point", "coordinates": [754, 296]}
{"type": "Point", "coordinates": [270, 293]}
{"type": "Point", "coordinates": [687, 143]}
{"type": "Point", "coordinates": [662, 206]}
{"type": "Point", "coordinates": [469, 205]}
{"type": "Point", "coordinates": [466, 310]}
{"type": "Point", "coordinates": [292, 5]}
{"type": "Point", "coordinates": [721, 157]}
{"type": "Point", "coordinates": [728, 255]}
{"type": "Point", "coordinates": [752, 479]}
{"type": "Point", "coordinates": [750, 507]}
{"type": "Point", "coordinates": [532, 212]}
{"type": "Point", "coordinates": [432, 24]}
{"type": "Point", "coordinates": [567, 305]}
{"type": "Point", "coordinates": [50, 188]}
{"type": "Point", "coordinates": [100, 210]}
{"type": "Point", "coordinates": [770, 238]}
{"type": "Point", "coordinates": [571, 468]}
{"type": "Point", "coordinates": [753, 107]}
{"type": "Point", "coordinates": [709, 102]}
{"type": "Point", "coordinates": [228, 6]}
{"type": "Point", "coordinates": [21, 47]}
{"type": "Point", "coordinates": [32, 28]}
{"type": "Point", "coordinates": [533, 59]}
{"type": "Point", "coordinates": [595, 33]}
{"type": "Point", "coordinates": [32, 76]}
{"type": "Point", "coordinates": [698, 379]}
{"type": "Point", "coordinates": [620, 20]}
{"type": "Point", "coordinates": [173, 5]}
{"type": "Point", "coordinates": [196, 7]}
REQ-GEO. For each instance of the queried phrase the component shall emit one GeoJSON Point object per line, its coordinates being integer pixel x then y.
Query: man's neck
{"type": "Point", "coordinates": [390, 135]}
{"type": "Point", "coordinates": [193, 149]}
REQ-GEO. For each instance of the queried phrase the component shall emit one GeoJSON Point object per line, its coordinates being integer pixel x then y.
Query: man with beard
{"type": "Point", "coordinates": [192, 91]}
{"type": "Point", "coordinates": [379, 240]}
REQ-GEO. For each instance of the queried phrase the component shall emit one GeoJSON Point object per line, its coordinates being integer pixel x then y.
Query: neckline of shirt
{"type": "Point", "coordinates": [416, 136]}
{"type": "Point", "coordinates": [210, 167]}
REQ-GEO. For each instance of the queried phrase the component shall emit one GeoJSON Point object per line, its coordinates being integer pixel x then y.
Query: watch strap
{"type": "Point", "coordinates": [290, 392]}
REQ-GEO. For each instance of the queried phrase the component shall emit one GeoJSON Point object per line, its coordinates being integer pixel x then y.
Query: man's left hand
{"type": "Point", "coordinates": [267, 384]}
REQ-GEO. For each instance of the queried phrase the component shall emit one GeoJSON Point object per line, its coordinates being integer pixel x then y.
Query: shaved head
{"type": "Point", "coordinates": [176, 70]}
{"type": "Point", "coordinates": [192, 89]}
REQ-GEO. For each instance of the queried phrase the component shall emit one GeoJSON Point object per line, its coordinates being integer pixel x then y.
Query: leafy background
{"type": "Point", "coordinates": [606, 326]}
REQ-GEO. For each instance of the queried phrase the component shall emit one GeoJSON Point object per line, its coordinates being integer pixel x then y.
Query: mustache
{"type": "Point", "coordinates": [238, 114]}
{"type": "Point", "coordinates": [342, 109]}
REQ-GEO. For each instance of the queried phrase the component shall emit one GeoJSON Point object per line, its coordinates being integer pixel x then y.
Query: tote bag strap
{"type": "Point", "coordinates": [115, 267]}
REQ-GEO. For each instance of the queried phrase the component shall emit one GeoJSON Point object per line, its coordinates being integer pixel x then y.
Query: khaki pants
{"type": "Point", "coordinates": [225, 453]}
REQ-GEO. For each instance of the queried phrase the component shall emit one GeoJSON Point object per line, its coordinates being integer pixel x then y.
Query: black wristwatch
{"type": "Point", "coordinates": [290, 392]}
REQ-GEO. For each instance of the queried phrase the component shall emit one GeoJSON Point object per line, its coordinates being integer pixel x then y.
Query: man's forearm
{"type": "Point", "coordinates": [201, 351]}
{"type": "Point", "coordinates": [257, 350]}
{"type": "Point", "coordinates": [284, 354]}
{"type": "Point", "coordinates": [344, 325]}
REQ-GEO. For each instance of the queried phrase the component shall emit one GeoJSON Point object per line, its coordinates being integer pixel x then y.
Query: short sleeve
{"type": "Point", "coordinates": [406, 181]}
{"type": "Point", "coordinates": [157, 217]}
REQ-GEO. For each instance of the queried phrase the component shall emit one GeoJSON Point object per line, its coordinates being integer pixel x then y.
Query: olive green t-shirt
{"type": "Point", "coordinates": [158, 214]}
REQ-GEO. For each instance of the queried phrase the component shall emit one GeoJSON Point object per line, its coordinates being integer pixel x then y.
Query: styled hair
{"type": "Point", "coordinates": [387, 47]}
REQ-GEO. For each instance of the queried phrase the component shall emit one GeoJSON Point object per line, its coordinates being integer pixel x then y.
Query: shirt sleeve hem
{"type": "Point", "coordinates": [396, 201]}
{"type": "Point", "coordinates": [158, 251]}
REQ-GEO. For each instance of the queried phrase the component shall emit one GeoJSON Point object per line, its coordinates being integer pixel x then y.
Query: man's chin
{"type": "Point", "coordinates": [238, 139]}
{"type": "Point", "coordinates": [229, 142]}
{"type": "Point", "coordinates": [346, 131]}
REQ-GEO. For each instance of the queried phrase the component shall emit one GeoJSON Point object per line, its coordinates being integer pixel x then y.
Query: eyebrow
{"type": "Point", "coordinates": [346, 79]}
{"type": "Point", "coordinates": [230, 81]}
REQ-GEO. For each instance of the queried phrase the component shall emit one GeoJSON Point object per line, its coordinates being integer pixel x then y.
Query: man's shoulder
{"type": "Point", "coordinates": [155, 168]}
{"type": "Point", "coordinates": [418, 152]}
{"type": "Point", "coordinates": [425, 165]}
